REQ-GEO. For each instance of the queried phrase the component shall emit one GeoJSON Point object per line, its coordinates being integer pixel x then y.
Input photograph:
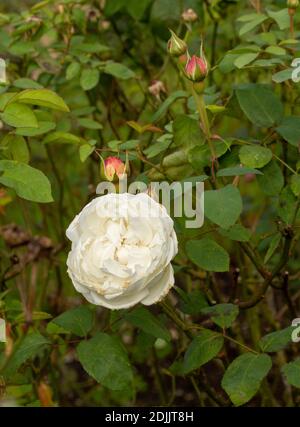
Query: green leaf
{"type": "Point", "coordinates": [19, 115]}
{"type": "Point", "coordinates": [144, 319]}
{"type": "Point", "coordinates": [29, 347]}
{"type": "Point", "coordinates": [84, 151]}
{"type": "Point", "coordinates": [260, 104]}
{"type": "Point", "coordinates": [272, 247]}
{"type": "Point", "coordinates": [191, 302]}
{"type": "Point", "coordinates": [281, 17]}
{"type": "Point", "coordinates": [222, 315]}
{"type": "Point", "coordinates": [283, 75]}
{"type": "Point", "coordinates": [43, 127]}
{"type": "Point", "coordinates": [43, 98]}
{"type": "Point", "coordinates": [104, 358]}
{"type": "Point", "coordinates": [245, 59]}
{"type": "Point", "coordinates": [25, 83]}
{"type": "Point", "coordinates": [295, 184]}
{"type": "Point", "coordinates": [89, 78]}
{"type": "Point", "coordinates": [62, 138]}
{"type": "Point", "coordinates": [18, 149]}
{"type": "Point", "coordinates": [202, 349]}
{"type": "Point", "coordinates": [137, 8]}
{"type": "Point", "coordinates": [275, 50]}
{"type": "Point", "coordinates": [79, 321]}
{"type": "Point", "coordinates": [244, 376]}
{"type": "Point", "coordinates": [72, 70]}
{"type": "Point", "coordinates": [272, 181]}
{"type": "Point", "coordinates": [289, 129]}
{"type": "Point", "coordinates": [224, 206]}
{"type": "Point", "coordinates": [89, 123]}
{"type": "Point", "coordinates": [292, 372]}
{"type": "Point", "coordinates": [236, 232]}
{"type": "Point", "coordinates": [276, 341]}
{"type": "Point", "coordinates": [208, 255]}
{"type": "Point", "coordinates": [255, 156]}
{"type": "Point", "coordinates": [120, 71]}
{"type": "Point", "coordinates": [187, 131]}
{"type": "Point", "coordinates": [167, 103]}
{"type": "Point", "coordinates": [253, 23]}
{"type": "Point", "coordinates": [237, 171]}
{"type": "Point", "coordinates": [200, 156]}
{"type": "Point", "coordinates": [29, 183]}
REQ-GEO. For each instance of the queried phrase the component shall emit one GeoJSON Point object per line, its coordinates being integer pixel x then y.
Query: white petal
{"type": "Point", "coordinates": [160, 286]}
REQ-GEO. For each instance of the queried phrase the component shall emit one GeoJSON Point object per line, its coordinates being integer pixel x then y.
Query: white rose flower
{"type": "Point", "coordinates": [122, 247]}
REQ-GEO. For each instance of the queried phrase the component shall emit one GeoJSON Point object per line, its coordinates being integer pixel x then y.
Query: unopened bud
{"type": "Point", "coordinates": [292, 4]}
{"type": "Point", "coordinates": [176, 46]}
{"type": "Point", "coordinates": [156, 88]}
{"type": "Point", "coordinates": [189, 15]}
{"type": "Point", "coordinates": [196, 68]}
{"type": "Point", "coordinates": [112, 169]}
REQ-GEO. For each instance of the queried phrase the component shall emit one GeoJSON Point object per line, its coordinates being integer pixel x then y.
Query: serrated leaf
{"type": "Point", "coordinates": [28, 348]}
{"type": "Point", "coordinates": [289, 129]}
{"type": "Point", "coordinates": [245, 59]}
{"type": "Point", "coordinates": [222, 315]}
{"type": "Point", "coordinates": [208, 255]}
{"type": "Point", "coordinates": [272, 181]}
{"type": "Point", "coordinates": [292, 372]}
{"type": "Point", "coordinates": [250, 25]}
{"type": "Point", "coordinates": [236, 232]}
{"type": "Point", "coordinates": [260, 104]}
{"type": "Point", "coordinates": [255, 156]}
{"type": "Point", "coordinates": [104, 358]}
{"type": "Point", "coordinates": [187, 131]}
{"type": "Point", "coordinates": [202, 349]}
{"type": "Point", "coordinates": [237, 171]}
{"type": "Point", "coordinates": [78, 321]}
{"type": "Point", "coordinates": [223, 206]}
{"type": "Point", "coordinates": [244, 376]}
{"type": "Point", "coordinates": [144, 319]}
{"type": "Point", "coordinates": [277, 340]}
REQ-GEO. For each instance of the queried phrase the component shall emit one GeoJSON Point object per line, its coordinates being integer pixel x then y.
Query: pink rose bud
{"type": "Point", "coordinates": [196, 68]}
{"type": "Point", "coordinates": [112, 169]}
{"type": "Point", "coordinates": [176, 46]}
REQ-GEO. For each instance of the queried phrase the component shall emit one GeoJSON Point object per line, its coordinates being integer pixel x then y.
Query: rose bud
{"type": "Point", "coordinates": [189, 15]}
{"type": "Point", "coordinates": [176, 46]}
{"type": "Point", "coordinates": [196, 68]}
{"type": "Point", "coordinates": [112, 169]}
{"type": "Point", "coordinates": [292, 4]}
{"type": "Point", "coordinates": [156, 88]}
